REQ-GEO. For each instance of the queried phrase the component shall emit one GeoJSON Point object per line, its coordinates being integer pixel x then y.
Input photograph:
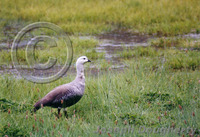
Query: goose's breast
{"type": "Point", "coordinates": [71, 100]}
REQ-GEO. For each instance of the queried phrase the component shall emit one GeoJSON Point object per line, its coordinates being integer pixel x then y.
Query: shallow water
{"type": "Point", "coordinates": [109, 43]}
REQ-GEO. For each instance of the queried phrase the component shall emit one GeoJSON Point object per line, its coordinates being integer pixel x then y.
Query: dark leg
{"type": "Point", "coordinates": [59, 114]}
{"type": "Point", "coordinates": [65, 112]}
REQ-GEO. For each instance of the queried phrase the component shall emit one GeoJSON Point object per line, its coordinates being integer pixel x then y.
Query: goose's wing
{"type": "Point", "coordinates": [54, 97]}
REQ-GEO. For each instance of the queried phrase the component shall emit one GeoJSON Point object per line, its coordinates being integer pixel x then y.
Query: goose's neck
{"type": "Point", "coordinates": [80, 72]}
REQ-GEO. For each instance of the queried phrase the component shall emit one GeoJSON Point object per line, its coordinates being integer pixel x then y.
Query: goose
{"type": "Point", "coordinates": [68, 94]}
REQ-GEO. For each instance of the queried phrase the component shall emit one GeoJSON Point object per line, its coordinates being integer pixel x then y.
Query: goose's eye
{"type": "Point", "coordinates": [84, 58]}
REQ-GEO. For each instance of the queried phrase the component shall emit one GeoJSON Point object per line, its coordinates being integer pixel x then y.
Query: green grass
{"type": "Point", "coordinates": [174, 56]}
{"type": "Point", "coordinates": [138, 97]}
{"type": "Point", "coordinates": [175, 42]}
{"type": "Point", "coordinates": [149, 92]}
{"type": "Point", "coordinates": [93, 17]}
{"type": "Point", "coordinates": [80, 47]}
{"type": "Point", "coordinates": [159, 87]}
{"type": "Point", "coordinates": [171, 58]}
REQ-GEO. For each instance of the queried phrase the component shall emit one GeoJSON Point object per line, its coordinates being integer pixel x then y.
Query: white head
{"type": "Point", "coordinates": [79, 66]}
{"type": "Point", "coordinates": [82, 60]}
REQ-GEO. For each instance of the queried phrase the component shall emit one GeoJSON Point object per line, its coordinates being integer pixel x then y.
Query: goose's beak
{"type": "Point", "coordinates": [89, 60]}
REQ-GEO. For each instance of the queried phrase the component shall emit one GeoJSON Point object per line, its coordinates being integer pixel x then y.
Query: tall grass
{"type": "Point", "coordinates": [137, 97]}
{"type": "Point", "coordinates": [158, 88]}
{"type": "Point", "coordinates": [92, 17]}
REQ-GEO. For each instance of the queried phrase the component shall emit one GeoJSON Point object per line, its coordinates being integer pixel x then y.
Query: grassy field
{"type": "Point", "coordinates": [141, 96]}
{"type": "Point", "coordinates": [150, 92]}
{"type": "Point", "coordinates": [80, 47]}
{"type": "Point", "coordinates": [156, 94]}
{"type": "Point", "coordinates": [162, 17]}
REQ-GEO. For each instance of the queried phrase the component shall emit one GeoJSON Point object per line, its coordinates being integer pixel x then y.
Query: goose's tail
{"type": "Point", "coordinates": [37, 106]}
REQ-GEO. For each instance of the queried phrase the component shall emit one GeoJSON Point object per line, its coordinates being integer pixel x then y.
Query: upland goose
{"type": "Point", "coordinates": [68, 94]}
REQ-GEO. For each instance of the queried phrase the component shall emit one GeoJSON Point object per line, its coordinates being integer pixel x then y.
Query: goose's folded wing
{"type": "Point", "coordinates": [55, 95]}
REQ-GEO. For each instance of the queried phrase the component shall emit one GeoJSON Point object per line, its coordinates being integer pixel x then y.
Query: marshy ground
{"type": "Point", "coordinates": [145, 68]}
